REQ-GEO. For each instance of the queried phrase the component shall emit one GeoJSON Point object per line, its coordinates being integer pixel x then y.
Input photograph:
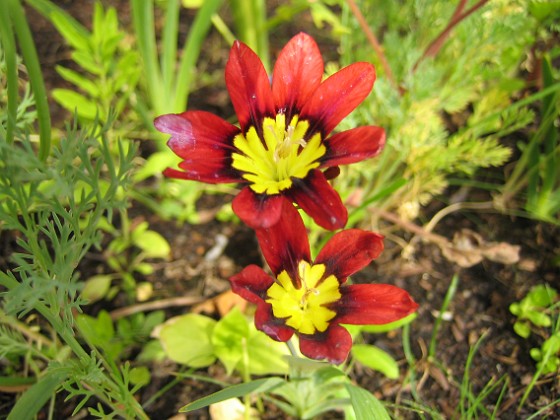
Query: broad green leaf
{"type": "Point", "coordinates": [235, 391]}
{"type": "Point", "coordinates": [35, 397]}
{"type": "Point", "coordinates": [97, 330]}
{"type": "Point", "coordinates": [542, 295]}
{"type": "Point", "coordinates": [522, 329]}
{"type": "Point", "coordinates": [155, 165]}
{"type": "Point", "coordinates": [186, 339]}
{"type": "Point", "coordinates": [152, 244]}
{"type": "Point", "coordinates": [366, 406]}
{"type": "Point", "coordinates": [266, 356]}
{"type": "Point", "coordinates": [96, 288]}
{"type": "Point", "coordinates": [74, 102]}
{"type": "Point", "coordinates": [235, 336]}
{"type": "Point", "coordinates": [375, 358]}
{"type": "Point", "coordinates": [139, 376]}
{"type": "Point", "coordinates": [230, 339]}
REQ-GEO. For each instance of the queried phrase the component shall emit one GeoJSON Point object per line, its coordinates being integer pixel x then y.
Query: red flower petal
{"type": "Point", "coordinates": [251, 284]}
{"type": "Point", "coordinates": [209, 172]}
{"type": "Point", "coordinates": [285, 244]}
{"type": "Point", "coordinates": [337, 96]}
{"type": "Point", "coordinates": [363, 304]}
{"type": "Point", "coordinates": [204, 141]}
{"type": "Point", "coordinates": [248, 86]}
{"type": "Point", "coordinates": [333, 345]}
{"type": "Point", "coordinates": [192, 129]}
{"type": "Point", "coordinates": [297, 73]}
{"type": "Point", "coordinates": [319, 200]}
{"type": "Point", "coordinates": [349, 251]}
{"type": "Point", "coordinates": [257, 211]}
{"type": "Point", "coordinates": [273, 327]}
{"type": "Point", "coordinates": [353, 145]}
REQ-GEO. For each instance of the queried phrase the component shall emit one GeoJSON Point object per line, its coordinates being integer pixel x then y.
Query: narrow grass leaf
{"type": "Point", "coordinates": [235, 391]}
{"type": "Point", "coordinates": [35, 397]}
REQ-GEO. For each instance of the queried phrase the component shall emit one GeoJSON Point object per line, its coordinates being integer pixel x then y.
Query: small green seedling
{"type": "Point", "coordinates": [533, 309]}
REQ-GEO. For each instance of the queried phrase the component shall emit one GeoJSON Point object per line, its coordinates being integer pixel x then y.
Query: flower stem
{"type": "Point", "coordinates": [292, 349]}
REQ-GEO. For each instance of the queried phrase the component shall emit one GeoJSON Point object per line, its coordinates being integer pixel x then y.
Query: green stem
{"type": "Point", "coordinates": [250, 25]}
{"type": "Point", "coordinates": [143, 18]}
{"type": "Point", "coordinates": [10, 56]}
{"type": "Point", "coordinates": [191, 52]}
{"type": "Point", "coordinates": [446, 301]}
{"type": "Point", "coordinates": [169, 44]}
{"type": "Point", "coordinates": [29, 53]}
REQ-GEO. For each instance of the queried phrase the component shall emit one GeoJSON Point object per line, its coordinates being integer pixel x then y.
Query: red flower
{"type": "Point", "coordinates": [283, 141]}
{"type": "Point", "coordinates": [311, 298]}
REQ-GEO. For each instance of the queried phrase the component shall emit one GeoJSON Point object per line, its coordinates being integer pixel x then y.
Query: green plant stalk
{"type": "Point", "coordinates": [250, 25]}
{"type": "Point", "coordinates": [446, 301]}
{"type": "Point", "coordinates": [409, 356]}
{"type": "Point", "coordinates": [10, 56]}
{"type": "Point", "coordinates": [550, 108]}
{"type": "Point", "coordinates": [465, 388]}
{"type": "Point", "coordinates": [29, 53]}
{"type": "Point", "coordinates": [259, 9]}
{"type": "Point", "coordinates": [223, 29]}
{"type": "Point", "coordinates": [191, 52]}
{"type": "Point", "coordinates": [169, 44]}
{"type": "Point", "coordinates": [143, 19]}
{"type": "Point", "coordinates": [542, 198]}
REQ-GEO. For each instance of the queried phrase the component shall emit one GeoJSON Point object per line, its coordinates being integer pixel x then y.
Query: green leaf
{"type": "Point", "coordinates": [96, 288]}
{"type": "Point", "coordinates": [375, 358]}
{"type": "Point", "coordinates": [522, 329]}
{"type": "Point", "coordinates": [139, 376]}
{"type": "Point", "coordinates": [80, 81]}
{"type": "Point", "coordinates": [152, 244]}
{"type": "Point", "coordinates": [235, 337]}
{"type": "Point", "coordinates": [366, 406]}
{"type": "Point", "coordinates": [155, 165]}
{"type": "Point", "coordinates": [266, 356]}
{"type": "Point", "coordinates": [542, 295]}
{"type": "Point", "coordinates": [75, 34]}
{"type": "Point", "coordinates": [186, 339]}
{"type": "Point", "coordinates": [230, 337]}
{"type": "Point", "coordinates": [390, 326]}
{"type": "Point", "coordinates": [235, 391]}
{"type": "Point", "coordinates": [74, 102]}
{"type": "Point", "coordinates": [192, 4]}
{"type": "Point", "coordinates": [35, 397]}
{"type": "Point", "coordinates": [88, 62]}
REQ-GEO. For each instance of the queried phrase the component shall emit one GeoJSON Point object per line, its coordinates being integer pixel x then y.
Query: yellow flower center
{"type": "Point", "coordinates": [269, 164]}
{"type": "Point", "coordinates": [305, 307]}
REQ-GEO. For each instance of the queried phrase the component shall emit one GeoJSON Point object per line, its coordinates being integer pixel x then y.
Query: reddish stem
{"type": "Point", "coordinates": [373, 41]}
{"type": "Point", "coordinates": [457, 17]}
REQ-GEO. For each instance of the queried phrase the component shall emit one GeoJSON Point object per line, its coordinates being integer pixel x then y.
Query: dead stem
{"type": "Point", "coordinates": [456, 18]}
{"type": "Point", "coordinates": [411, 227]}
{"type": "Point", "coordinates": [157, 304]}
{"type": "Point", "coordinates": [374, 42]}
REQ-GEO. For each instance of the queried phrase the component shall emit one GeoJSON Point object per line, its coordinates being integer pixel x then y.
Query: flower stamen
{"type": "Point", "coordinates": [269, 163]}
{"type": "Point", "coordinates": [305, 308]}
